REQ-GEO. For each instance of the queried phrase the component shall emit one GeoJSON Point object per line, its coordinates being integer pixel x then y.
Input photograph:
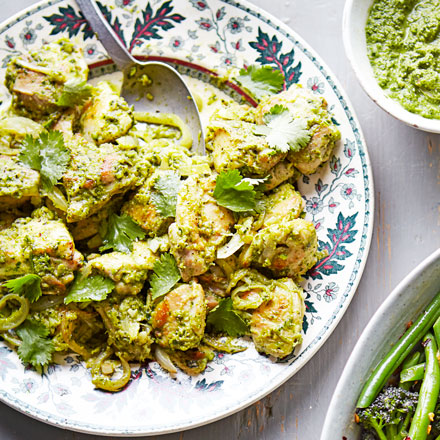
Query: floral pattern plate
{"type": "Point", "coordinates": [204, 38]}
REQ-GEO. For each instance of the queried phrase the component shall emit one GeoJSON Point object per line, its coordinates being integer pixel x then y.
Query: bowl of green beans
{"type": "Point", "coordinates": [390, 387]}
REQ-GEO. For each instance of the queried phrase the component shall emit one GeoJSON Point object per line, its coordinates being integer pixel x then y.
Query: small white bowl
{"type": "Point", "coordinates": [353, 30]}
{"type": "Point", "coordinates": [405, 303]}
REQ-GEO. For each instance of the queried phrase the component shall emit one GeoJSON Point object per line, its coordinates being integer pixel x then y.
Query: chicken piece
{"type": "Point", "coordinates": [126, 321]}
{"type": "Point", "coordinates": [193, 361]}
{"type": "Point", "coordinates": [249, 289]}
{"type": "Point", "coordinates": [235, 146]}
{"type": "Point", "coordinates": [201, 227]}
{"type": "Point", "coordinates": [286, 248]}
{"type": "Point", "coordinates": [17, 183]}
{"type": "Point", "coordinates": [324, 134]}
{"type": "Point", "coordinates": [179, 319]}
{"type": "Point", "coordinates": [128, 271]}
{"type": "Point", "coordinates": [36, 80]}
{"type": "Point", "coordinates": [40, 245]}
{"type": "Point", "coordinates": [107, 116]}
{"type": "Point", "coordinates": [95, 175]}
{"type": "Point", "coordinates": [281, 172]}
{"type": "Point", "coordinates": [276, 325]}
{"type": "Point", "coordinates": [284, 204]}
{"type": "Point", "coordinates": [143, 211]}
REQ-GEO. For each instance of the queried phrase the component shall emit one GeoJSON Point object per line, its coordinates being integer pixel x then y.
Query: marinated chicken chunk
{"type": "Point", "coordinates": [142, 209]}
{"type": "Point", "coordinates": [17, 183]}
{"type": "Point", "coordinates": [287, 249]}
{"type": "Point", "coordinates": [276, 324]}
{"type": "Point", "coordinates": [126, 321]}
{"type": "Point", "coordinates": [128, 271]}
{"type": "Point", "coordinates": [201, 227]}
{"type": "Point", "coordinates": [302, 104]}
{"type": "Point", "coordinates": [40, 245]}
{"type": "Point", "coordinates": [107, 116]}
{"type": "Point", "coordinates": [36, 80]}
{"type": "Point", "coordinates": [94, 175]}
{"type": "Point", "coordinates": [179, 319]}
{"type": "Point", "coordinates": [284, 204]}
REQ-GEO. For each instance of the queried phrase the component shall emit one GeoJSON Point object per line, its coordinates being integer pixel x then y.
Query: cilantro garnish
{"type": "Point", "coordinates": [120, 234]}
{"type": "Point", "coordinates": [164, 196]}
{"type": "Point", "coordinates": [225, 319]}
{"type": "Point", "coordinates": [166, 274]}
{"type": "Point", "coordinates": [35, 349]}
{"type": "Point", "coordinates": [75, 92]}
{"type": "Point", "coordinates": [27, 286]}
{"type": "Point", "coordinates": [93, 288]}
{"type": "Point", "coordinates": [283, 133]}
{"type": "Point", "coordinates": [261, 81]}
{"type": "Point", "coordinates": [46, 154]}
{"type": "Point", "coordinates": [234, 192]}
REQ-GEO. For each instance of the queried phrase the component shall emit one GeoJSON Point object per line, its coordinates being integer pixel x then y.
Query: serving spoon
{"type": "Point", "coordinates": [149, 86]}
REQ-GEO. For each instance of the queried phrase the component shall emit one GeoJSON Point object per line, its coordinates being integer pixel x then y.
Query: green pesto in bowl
{"type": "Point", "coordinates": [403, 45]}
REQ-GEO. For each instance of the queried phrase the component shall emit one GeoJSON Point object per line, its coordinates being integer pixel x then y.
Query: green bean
{"type": "Point", "coordinates": [17, 316]}
{"type": "Point", "coordinates": [412, 373]}
{"type": "Point", "coordinates": [428, 393]}
{"type": "Point", "coordinates": [411, 361]}
{"type": "Point", "coordinates": [398, 353]}
{"type": "Point", "coordinates": [436, 328]}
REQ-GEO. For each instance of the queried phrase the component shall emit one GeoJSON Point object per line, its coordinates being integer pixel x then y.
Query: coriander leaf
{"type": "Point", "coordinates": [121, 232]}
{"type": "Point", "coordinates": [35, 348]}
{"type": "Point", "coordinates": [261, 81]}
{"type": "Point", "coordinates": [164, 196]}
{"type": "Point", "coordinates": [234, 192]}
{"type": "Point", "coordinates": [30, 153]}
{"type": "Point", "coordinates": [46, 154]}
{"type": "Point", "coordinates": [75, 92]}
{"type": "Point", "coordinates": [27, 286]}
{"type": "Point", "coordinates": [283, 133]}
{"type": "Point", "coordinates": [166, 274]}
{"type": "Point", "coordinates": [93, 288]}
{"type": "Point", "coordinates": [225, 319]}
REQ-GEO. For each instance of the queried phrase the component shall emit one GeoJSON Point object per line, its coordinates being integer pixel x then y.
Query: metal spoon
{"type": "Point", "coordinates": [168, 90]}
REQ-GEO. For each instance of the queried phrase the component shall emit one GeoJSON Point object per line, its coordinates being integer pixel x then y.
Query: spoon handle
{"type": "Point", "coordinates": [112, 44]}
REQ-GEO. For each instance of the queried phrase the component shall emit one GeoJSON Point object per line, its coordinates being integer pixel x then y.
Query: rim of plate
{"type": "Point", "coordinates": [384, 309]}
{"type": "Point", "coordinates": [346, 297]}
{"type": "Point", "coordinates": [353, 36]}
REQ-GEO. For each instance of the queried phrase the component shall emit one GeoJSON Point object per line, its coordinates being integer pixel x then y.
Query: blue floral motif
{"type": "Point", "coordinates": [201, 5]}
{"type": "Point", "coordinates": [5, 363]}
{"type": "Point", "coordinates": [314, 205]}
{"type": "Point", "coordinates": [235, 25]}
{"type": "Point", "coordinates": [315, 85]}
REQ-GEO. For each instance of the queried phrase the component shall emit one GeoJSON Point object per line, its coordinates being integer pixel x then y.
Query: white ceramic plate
{"type": "Point", "coordinates": [403, 304]}
{"type": "Point", "coordinates": [200, 36]}
{"type": "Point", "coordinates": [353, 30]}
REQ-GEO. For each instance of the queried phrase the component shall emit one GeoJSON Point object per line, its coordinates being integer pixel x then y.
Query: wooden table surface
{"type": "Point", "coordinates": [406, 166]}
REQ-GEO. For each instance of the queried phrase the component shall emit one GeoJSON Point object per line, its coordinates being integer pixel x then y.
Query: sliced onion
{"type": "Point", "coordinates": [232, 246]}
{"type": "Point", "coordinates": [164, 360]}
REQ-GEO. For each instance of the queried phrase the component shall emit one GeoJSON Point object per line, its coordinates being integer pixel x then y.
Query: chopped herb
{"type": "Point", "coordinates": [166, 274]}
{"type": "Point", "coordinates": [35, 349]}
{"type": "Point", "coordinates": [226, 320]}
{"type": "Point", "coordinates": [164, 196]}
{"type": "Point", "coordinates": [120, 234]}
{"type": "Point", "coordinates": [234, 192]}
{"type": "Point", "coordinates": [93, 288]}
{"type": "Point", "coordinates": [28, 286]}
{"type": "Point", "coordinates": [46, 154]}
{"type": "Point", "coordinates": [282, 131]}
{"type": "Point", "coordinates": [75, 92]}
{"type": "Point", "coordinates": [261, 81]}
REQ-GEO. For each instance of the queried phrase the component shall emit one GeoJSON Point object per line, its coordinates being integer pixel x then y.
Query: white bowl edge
{"type": "Point", "coordinates": [417, 288]}
{"type": "Point", "coordinates": [353, 34]}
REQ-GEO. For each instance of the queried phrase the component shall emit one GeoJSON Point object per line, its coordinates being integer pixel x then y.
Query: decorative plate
{"type": "Point", "coordinates": [202, 37]}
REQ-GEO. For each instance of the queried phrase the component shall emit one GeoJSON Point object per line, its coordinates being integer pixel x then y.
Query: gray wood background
{"type": "Point", "coordinates": [406, 165]}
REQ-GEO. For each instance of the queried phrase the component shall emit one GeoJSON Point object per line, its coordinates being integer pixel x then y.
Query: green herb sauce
{"type": "Point", "coordinates": [403, 46]}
